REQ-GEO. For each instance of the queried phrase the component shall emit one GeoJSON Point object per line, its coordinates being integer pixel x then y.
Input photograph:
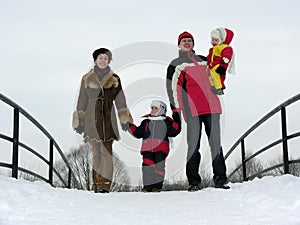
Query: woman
{"type": "Point", "coordinates": [95, 117]}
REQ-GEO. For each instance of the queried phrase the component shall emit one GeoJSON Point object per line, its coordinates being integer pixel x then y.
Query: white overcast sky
{"type": "Point", "coordinates": [46, 47]}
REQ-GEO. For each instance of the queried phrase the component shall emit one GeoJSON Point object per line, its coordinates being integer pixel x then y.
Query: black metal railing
{"type": "Point", "coordinates": [285, 137]}
{"type": "Point", "coordinates": [16, 143]}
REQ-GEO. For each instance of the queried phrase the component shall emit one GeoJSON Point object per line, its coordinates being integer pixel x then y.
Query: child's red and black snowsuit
{"type": "Point", "coordinates": [155, 132]}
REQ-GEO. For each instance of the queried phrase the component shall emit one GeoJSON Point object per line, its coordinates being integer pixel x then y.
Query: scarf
{"type": "Point", "coordinates": [101, 72]}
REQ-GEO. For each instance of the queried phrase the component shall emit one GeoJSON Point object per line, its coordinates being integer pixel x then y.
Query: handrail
{"type": "Point", "coordinates": [19, 109]}
{"type": "Point", "coordinates": [34, 121]}
{"type": "Point", "coordinates": [262, 120]}
{"type": "Point", "coordinates": [283, 140]}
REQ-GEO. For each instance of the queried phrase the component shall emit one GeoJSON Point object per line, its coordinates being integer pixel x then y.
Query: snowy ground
{"type": "Point", "coordinates": [267, 201]}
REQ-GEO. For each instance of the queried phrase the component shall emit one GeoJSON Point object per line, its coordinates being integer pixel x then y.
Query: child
{"type": "Point", "coordinates": [219, 58]}
{"type": "Point", "coordinates": [155, 130]}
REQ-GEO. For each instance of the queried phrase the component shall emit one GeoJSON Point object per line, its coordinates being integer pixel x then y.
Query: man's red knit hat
{"type": "Point", "coordinates": [185, 34]}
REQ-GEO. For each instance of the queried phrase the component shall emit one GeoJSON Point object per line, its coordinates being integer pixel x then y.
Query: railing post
{"type": "Point", "coordinates": [284, 141]}
{"type": "Point", "coordinates": [69, 178]}
{"type": "Point", "coordinates": [51, 163]}
{"type": "Point", "coordinates": [15, 153]}
{"type": "Point", "coordinates": [243, 159]}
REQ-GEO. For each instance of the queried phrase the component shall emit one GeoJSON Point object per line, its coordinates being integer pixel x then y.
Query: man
{"type": "Point", "coordinates": [189, 92]}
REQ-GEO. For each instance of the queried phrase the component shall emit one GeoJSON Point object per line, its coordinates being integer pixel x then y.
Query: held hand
{"type": "Point", "coordinates": [176, 117]}
{"type": "Point", "coordinates": [176, 121]}
{"type": "Point", "coordinates": [125, 126]}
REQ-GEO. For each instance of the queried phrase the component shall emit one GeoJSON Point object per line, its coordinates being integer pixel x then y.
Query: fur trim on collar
{"type": "Point", "coordinates": [91, 80]}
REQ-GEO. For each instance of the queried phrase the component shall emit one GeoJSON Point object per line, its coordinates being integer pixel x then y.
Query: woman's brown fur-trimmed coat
{"type": "Point", "coordinates": [95, 115]}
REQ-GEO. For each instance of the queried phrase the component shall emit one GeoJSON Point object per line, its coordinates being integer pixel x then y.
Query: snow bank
{"type": "Point", "coordinates": [270, 200]}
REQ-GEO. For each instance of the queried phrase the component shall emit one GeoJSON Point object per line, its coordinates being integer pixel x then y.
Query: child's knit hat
{"type": "Point", "coordinates": [219, 34]}
{"type": "Point", "coordinates": [161, 106]}
{"type": "Point", "coordinates": [223, 34]}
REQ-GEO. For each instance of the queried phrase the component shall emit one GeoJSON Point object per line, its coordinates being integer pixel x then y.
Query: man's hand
{"type": "Point", "coordinates": [176, 117]}
{"type": "Point", "coordinates": [221, 70]}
